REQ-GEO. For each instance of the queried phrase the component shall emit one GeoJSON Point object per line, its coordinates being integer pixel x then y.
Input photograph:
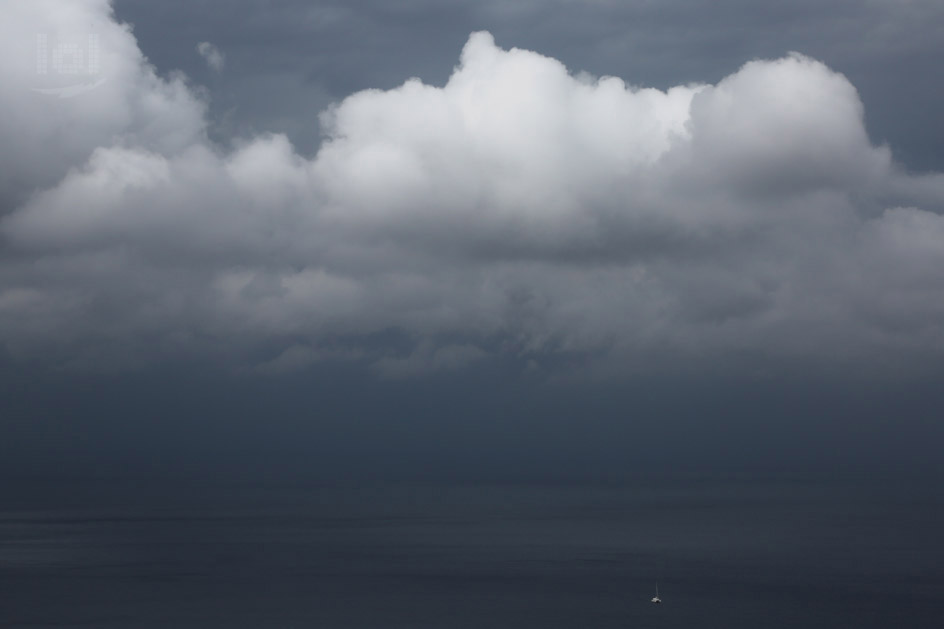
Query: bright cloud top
{"type": "Point", "coordinates": [519, 211]}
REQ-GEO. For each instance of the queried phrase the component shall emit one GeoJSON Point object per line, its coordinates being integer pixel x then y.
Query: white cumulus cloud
{"type": "Point", "coordinates": [42, 136]}
{"type": "Point", "coordinates": [520, 211]}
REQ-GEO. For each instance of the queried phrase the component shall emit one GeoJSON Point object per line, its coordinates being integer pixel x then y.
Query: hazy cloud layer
{"type": "Point", "coordinates": [521, 210]}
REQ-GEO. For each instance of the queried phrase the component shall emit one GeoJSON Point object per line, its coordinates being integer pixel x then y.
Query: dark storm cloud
{"type": "Point", "coordinates": [510, 208]}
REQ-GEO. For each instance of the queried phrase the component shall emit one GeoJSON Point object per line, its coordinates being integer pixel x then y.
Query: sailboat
{"type": "Point", "coordinates": [656, 599]}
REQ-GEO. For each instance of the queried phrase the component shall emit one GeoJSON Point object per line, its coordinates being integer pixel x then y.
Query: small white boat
{"type": "Point", "coordinates": [656, 599]}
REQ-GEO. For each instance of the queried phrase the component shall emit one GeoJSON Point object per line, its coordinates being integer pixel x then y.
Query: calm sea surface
{"type": "Point", "coordinates": [424, 555]}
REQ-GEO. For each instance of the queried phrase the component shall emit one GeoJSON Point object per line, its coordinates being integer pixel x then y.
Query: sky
{"type": "Point", "coordinates": [491, 239]}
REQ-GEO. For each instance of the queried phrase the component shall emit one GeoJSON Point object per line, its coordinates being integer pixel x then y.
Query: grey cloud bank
{"type": "Point", "coordinates": [521, 211]}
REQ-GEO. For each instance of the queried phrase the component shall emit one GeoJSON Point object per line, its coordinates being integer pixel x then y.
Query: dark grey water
{"type": "Point", "coordinates": [724, 554]}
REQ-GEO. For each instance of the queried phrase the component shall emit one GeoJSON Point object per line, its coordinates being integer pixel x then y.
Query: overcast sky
{"type": "Point", "coordinates": [529, 228]}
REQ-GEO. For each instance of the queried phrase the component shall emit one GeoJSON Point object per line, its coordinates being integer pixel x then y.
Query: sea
{"type": "Point", "coordinates": [477, 555]}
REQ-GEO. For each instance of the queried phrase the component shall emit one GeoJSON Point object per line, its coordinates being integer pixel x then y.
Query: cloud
{"type": "Point", "coordinates": [212, 55]}
{"type": "Point", "coordinates": [427, 359]}
{"type": "Point", "coordinates": [519, 212]}
{"type": "Point", "coordinates": [43, 135]}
